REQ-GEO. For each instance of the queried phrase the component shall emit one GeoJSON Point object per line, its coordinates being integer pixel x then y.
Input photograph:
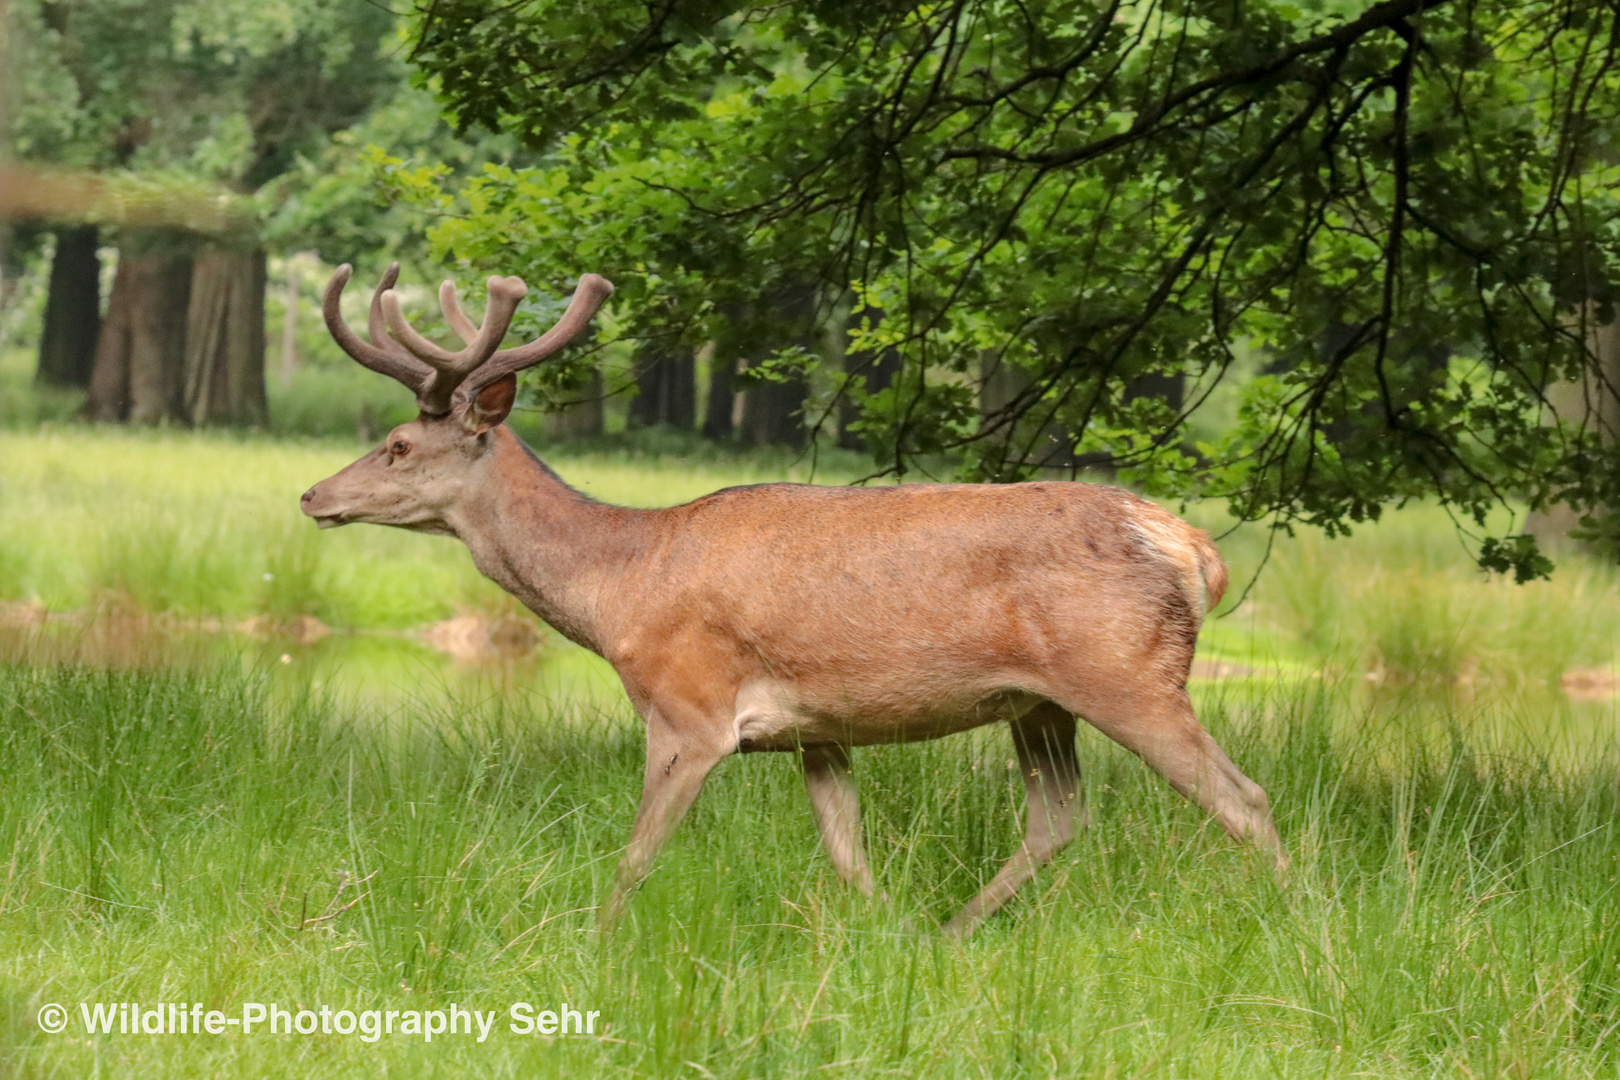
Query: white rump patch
{"type": "Point", "coordinates": [1169, 535]}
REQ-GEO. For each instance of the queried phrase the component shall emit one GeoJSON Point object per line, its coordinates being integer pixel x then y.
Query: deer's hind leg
{"type": "Point", "coordinates": [1157, 723]}
{"type": "Point", "coordinates": [1044, 739]}
{"type": "Point", "coordinates": [831, 786]}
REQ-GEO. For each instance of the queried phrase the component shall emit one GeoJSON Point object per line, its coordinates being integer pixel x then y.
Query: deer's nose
{"type": "Point", "coordinates": [307, 496]}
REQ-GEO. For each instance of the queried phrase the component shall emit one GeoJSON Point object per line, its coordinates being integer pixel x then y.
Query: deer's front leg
{"type": "Point", "coordinates": [677, 763]}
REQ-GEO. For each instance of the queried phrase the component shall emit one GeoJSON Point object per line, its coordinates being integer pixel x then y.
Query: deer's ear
{"type": "Point", "coordinates": [491, 406]}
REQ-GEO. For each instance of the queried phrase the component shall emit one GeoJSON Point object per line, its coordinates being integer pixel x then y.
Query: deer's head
{"type": "Point", "coordinates": [424, 466]}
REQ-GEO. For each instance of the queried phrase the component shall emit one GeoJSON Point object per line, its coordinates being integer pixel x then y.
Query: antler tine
{"type": "Point", "coordinates": [404, 333]}
{"type": "Point", "coordinates": [374, 316]}
{"type": "Point", "coordinates": [385, 361]}
{"type": "Point", "coordinates": [450, 368]}
{"type": "Point", "coordinates": [451, 304]}
{"type": "Point", "coordinates": [592, 291]}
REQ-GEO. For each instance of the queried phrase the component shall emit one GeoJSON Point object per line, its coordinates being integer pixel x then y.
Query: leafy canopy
{"type": "Point", "coordinates": [230, 91]}
{"type": "Point", "coordinates": [1374, 235]}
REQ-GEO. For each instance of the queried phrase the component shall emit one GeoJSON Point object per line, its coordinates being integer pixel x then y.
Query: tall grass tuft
{"type": "Point", "coordinates": [198, 837]}
{"type": "Point", "coordinates": [1403, 602]}
{"type": "Point", "coordinates": [294, 582]}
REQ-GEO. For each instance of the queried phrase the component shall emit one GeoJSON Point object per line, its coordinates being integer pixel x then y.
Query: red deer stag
{"type": "Point", "coordinates": [811, 619]}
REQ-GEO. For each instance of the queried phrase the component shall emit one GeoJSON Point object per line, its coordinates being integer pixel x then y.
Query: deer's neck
{"type": "Point", "coordinates": [563, 554]}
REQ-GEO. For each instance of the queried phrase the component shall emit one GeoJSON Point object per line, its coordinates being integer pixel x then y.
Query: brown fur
{"type": "Point", "coordinates": [813, 619]}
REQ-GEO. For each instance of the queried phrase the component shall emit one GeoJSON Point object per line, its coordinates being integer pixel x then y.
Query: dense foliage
{"type": "Point", "coordinates": [1372, 236]}
{"type": "Point", "coordinates": [228, 91]}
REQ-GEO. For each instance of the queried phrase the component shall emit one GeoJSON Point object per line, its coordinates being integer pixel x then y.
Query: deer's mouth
{"type": "Point", "coordinates": [323, 519]}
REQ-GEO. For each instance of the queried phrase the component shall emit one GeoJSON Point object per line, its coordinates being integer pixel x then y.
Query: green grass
{"type": "Point", "coordinates": [1403, 601]}
{"type": "Point", "coordinates": [181, 837]}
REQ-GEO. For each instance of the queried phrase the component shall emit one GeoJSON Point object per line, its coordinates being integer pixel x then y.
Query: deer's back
{"type": "Point", "coordinates": [929, 544]}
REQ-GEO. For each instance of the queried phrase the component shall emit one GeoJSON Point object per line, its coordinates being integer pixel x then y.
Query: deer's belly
{"type": "Point", "coordinates": [773, 717]}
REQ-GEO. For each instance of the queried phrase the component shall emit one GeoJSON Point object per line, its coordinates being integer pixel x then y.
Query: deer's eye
{"type": "Point", "coordinates": [400, 448]}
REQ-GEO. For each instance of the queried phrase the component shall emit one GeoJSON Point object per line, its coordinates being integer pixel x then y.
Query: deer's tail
{"type": "Point", "coordinates": [1211, 567]}
{"type": "Point", "coordinates": [1193, 553]}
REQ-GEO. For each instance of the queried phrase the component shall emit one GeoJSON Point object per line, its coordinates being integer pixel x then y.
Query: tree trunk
{"type": "Point", "coordinates": [1592, 401]}
{"type": "Point", "coordinates": [67, 346]}
{"type": "Point", "coordinates": [11, 263]}
{"type": "Point", "coordinates": [583, 418]}
{"type": "Point", "coordinates": [1000, 384]}
{"type": "Point", "coordinates": [772, 412]}
{"type": "Point", "coordinates": [1170, 389]}
{"type": "Point", "coordinates": [289, 327]}
{"type": "Point", "coordinates": [224, 354]}
{"type": "Point", "coordinates": [879, 370]}
{"type": "Point", "coordinates": [140, 356]}
{"type": "Point", "coordinates": [666, 390]}
{"type": "Point", "coordinates": [721, 400]}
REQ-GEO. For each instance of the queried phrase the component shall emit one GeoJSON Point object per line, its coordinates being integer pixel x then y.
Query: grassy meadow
{"type": "Point", "coordinates": [180, 838]}
{"type": "Point", "coordinates": [360, 824]}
